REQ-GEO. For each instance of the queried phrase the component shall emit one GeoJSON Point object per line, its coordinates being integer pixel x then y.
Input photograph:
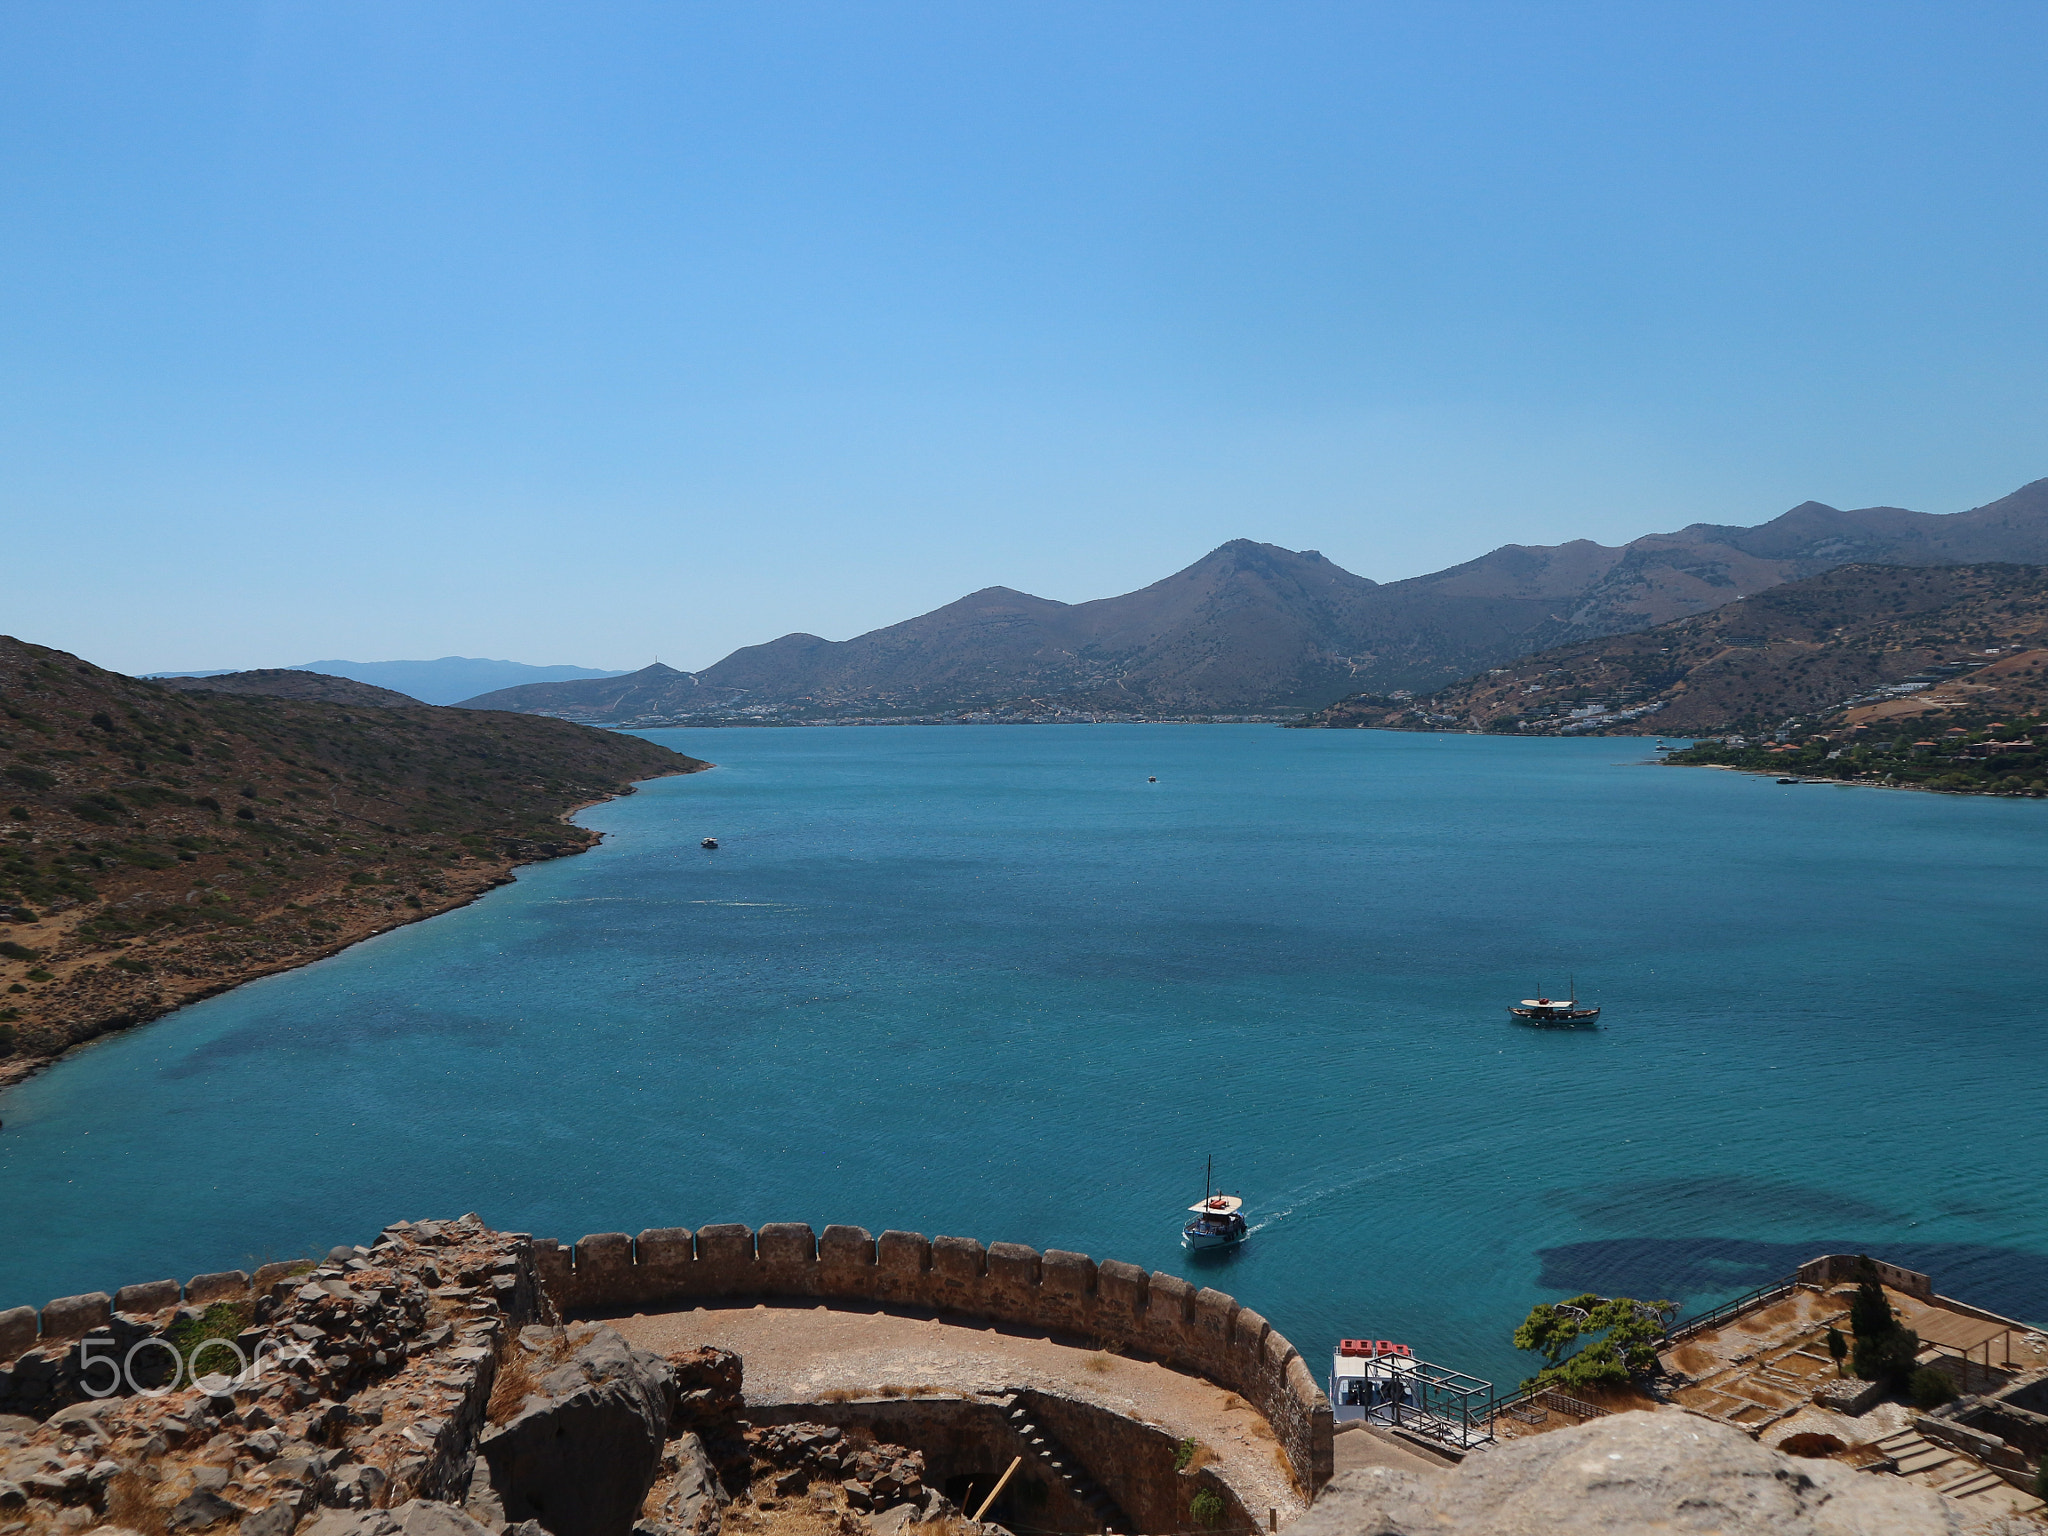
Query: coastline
{"type": "Point", "coordinates": [160, 977]}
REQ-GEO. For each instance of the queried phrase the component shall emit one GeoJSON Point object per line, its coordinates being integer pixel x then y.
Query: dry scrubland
{"type": "Point", "coordinates": [158, 845]}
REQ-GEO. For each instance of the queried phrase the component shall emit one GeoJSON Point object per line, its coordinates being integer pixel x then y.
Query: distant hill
{"type": "Point", "coordinates": [1861, 644]}
{"type": "Point", "coordinates": [1259, 630]}
{"type": "Point", "coordinates": [446, 681]}
{"type": "Point", "coordinates": [290, 683]}
{"type": "Point", "coordinates": [164, 844]}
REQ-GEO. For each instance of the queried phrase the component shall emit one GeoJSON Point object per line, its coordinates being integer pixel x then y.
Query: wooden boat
{"type": "Point", "coordinates": [1217, 1223]}
{"type": "Point", "coordinates": [1553, 1013]}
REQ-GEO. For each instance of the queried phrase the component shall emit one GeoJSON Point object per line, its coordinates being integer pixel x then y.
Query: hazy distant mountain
{"type": "Point", "coordinates": [292, 683]}
{"type": "Point", "coordinates": [1253, 628]}
{"type": "Point", "coordinates": [447, 681]}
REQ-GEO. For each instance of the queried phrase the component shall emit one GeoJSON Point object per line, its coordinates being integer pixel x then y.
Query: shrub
{"type": "Point", "coordinates": [1183, 1453]}
{"type": "Point", "coordinates": [1931, 1388]}
{"type": "Point", "coordinates": [246, 814]}
{"type": "Point", "coordinates": [32, 778]}
{"type": "Point", "coordinates": [19, 812]}
{"type": "Point", "coordinates": [209, 803]}
{"type": "Point", "coordinates": [1838, 1348]}
{"type": "Point", "coordinates": [14, 951]}
{"type": "Point", "coordinates": [222, 1320]}
{"type": "Point", "coordinates": [7, 1037]}
{"type": "Point", "coordinates": [1207, 1508]}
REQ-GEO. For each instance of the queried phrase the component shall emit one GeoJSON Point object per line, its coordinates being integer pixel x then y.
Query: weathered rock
{"type": "Point", "coordinates": [1625, 1475]}
{"type": "Point", "coordinates": [415, 1517]}
{"type": "Point", "coordinates": [693, 1506]}
{"type": "Point", "coordinates": [582, 1453]}
{"type": "Point", "coordinates": [200, 1509]}
{"type": "Point", "coordinates": [277, 1520]}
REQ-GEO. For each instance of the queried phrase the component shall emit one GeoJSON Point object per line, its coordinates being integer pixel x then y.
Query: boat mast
{"type": "Point", "coordinates": [1208, 1176]}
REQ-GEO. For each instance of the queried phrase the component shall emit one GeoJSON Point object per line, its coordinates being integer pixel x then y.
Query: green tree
{"type": "Point", "coordinates": [1590, 1340]}
{"type": "Point", "coordinates": [1888, 1357]}
{"type": "Point", "coordinates": [1838, 1348]}
{"type": "Point", "coordinates": [1869, 1313]}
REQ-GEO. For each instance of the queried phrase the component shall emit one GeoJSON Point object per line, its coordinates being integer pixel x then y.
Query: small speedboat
{"type": "Point", "coordinates": [1791, 781]}
{"type": "Point", "coordinates": [709, 842]}
{"type": "Point", "coordinates": [1216, 1223]}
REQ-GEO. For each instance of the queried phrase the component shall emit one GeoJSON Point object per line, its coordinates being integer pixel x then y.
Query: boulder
{"type": "Point", "coordinates": [692, 1507]}
{"type": "Point", "coordinates": [582, 1452]}
{"type": "Point", "coordinates": [416, 1517]}
{"type": "Point", "coordinates": [1620, 1476]}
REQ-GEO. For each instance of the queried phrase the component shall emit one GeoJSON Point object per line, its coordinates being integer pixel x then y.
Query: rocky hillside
{"type": "Point", "coordinates": [289, 683]}
{"type": "Point", "coordinates": [157, 846]}
{"type": "Point", "coordinates": [1256, 629]}
{"type": "Point", "coordinates": [1858, 644]}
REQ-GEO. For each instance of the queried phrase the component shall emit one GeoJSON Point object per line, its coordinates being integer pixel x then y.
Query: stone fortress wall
{"type": "Point", "coordinates": [73, 1317]}
{"type": "Point", "coordinates": [1115, 1304]}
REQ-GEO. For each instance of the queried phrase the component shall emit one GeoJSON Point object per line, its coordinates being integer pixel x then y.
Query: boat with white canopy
{"type": "Point", "coordinates": [1216, 1223]}
{"type": "Point", "coordinates": [1556, 1013]}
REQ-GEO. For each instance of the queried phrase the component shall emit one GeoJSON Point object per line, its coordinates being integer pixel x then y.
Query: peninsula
{"type": "Point", "coordinates": [160, 844]}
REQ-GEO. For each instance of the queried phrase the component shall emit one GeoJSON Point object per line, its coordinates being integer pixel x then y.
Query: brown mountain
{"type": "Point", "coordinates": [1253, 628]}
{"type": "Point", "coordinates": [289, 683]}
{"type": "Point", "coordinates": [158, 845]}
{"type": "Point", "coordinates": [1861, 643]}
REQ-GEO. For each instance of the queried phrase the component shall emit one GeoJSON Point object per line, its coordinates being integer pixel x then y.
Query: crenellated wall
{"type": "Point", "coordinates": [72, 1317]}
{"type": "Point", "coordinates": [1115, 1304]}
{"type": "Point", "coordinates": [1831, 1268]}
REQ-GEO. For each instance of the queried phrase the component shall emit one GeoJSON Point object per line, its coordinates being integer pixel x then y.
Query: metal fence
{"type": "Point", "coordinates": [1424, 1399]}
{"type": "Point", "coordinates": [1727, 1309]}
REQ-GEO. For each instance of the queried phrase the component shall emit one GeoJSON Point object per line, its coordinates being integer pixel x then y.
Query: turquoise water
{"type": "Point", "coordinates": [989, 981]}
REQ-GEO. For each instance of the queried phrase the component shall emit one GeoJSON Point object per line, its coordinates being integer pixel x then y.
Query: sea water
{"type": "Point", "coordinates": [993, 981]}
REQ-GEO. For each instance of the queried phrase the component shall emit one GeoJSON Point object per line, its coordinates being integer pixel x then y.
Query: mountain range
{"type": "Point", "coordinates": [1254, 629]}
{"type": "Point", "coordinates": [1859, 645]}
{"type": "Point", "coordinates": [445, 681]}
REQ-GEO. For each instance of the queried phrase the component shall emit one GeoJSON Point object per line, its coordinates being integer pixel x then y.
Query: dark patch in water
{"type": "Point", "coordinates": [1718, 1202]}
{"type": "Point", "coordinates": [1697, 1272]}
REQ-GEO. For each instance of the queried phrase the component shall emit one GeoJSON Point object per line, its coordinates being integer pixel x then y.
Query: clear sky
{"type": "Point", "coordinates": [588, 332]}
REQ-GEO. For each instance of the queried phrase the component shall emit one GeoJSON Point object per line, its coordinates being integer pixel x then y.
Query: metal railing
{"type": "Point", "coordinates": [1728, 1309]}
{"type": "Point", "coordinates": [1532, 1403]}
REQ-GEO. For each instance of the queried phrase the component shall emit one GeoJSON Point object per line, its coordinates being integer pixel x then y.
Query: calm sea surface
{"type": "Point", "coordinates": [989, 981]}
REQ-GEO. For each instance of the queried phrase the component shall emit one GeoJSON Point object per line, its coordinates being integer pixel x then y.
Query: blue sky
{"type": "Point", "coordinates": [590, 332]}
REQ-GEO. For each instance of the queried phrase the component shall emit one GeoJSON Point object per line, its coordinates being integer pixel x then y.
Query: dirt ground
{"type": "Point", "coordinates": [803, 1352]}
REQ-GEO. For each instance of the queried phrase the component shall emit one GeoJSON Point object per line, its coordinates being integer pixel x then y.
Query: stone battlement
{"type": "Point", "coordinates": [1118, 1305]}
{"type": "Point", "coordinates": [1115, 1305]}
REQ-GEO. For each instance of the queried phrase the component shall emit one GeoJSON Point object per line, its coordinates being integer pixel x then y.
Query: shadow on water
{"type": "Point", "coordinates": [1698, 1271]}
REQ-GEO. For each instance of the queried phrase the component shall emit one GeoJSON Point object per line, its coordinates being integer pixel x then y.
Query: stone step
{"type": "Point", "coordinates": [1904, 1438]}
{"type": "Point", "coordinates": [1976, 1480]}
{"type": "Point", "coordinates": [1914, 1462]}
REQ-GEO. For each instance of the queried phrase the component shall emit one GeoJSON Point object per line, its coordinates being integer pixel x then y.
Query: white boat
{"type": "Point", "coordinates": [1216, 1223]}
{"type": "Point", "coordinates": [1555, 1013]}
{"type": "Point", "coordinates": [1371, 1380]}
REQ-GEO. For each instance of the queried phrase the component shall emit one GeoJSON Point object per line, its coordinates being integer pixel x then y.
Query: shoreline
{"type": "Point", "coordinates": [142, 998]}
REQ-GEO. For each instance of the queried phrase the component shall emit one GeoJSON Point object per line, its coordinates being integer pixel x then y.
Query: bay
{"type": "Point", "coordinates": [991, 981]}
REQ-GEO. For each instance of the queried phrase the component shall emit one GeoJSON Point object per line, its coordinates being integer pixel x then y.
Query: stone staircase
{"type": "Point", "coordinates": [1059, 1464]}
{"type": "Point", "coordinates": [1954, 1475]}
